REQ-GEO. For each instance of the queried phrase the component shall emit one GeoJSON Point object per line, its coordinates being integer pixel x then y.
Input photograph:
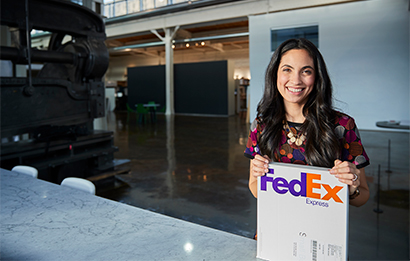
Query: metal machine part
{"type": "Point", "coordinates": [56, 108]}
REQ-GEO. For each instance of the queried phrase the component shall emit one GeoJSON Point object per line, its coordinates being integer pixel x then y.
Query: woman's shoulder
{"type": "Point", "coordinates": [254, 124]}
{"type": "Point", "coordinates": [342, 119]}
{"type": "Point", "coordinates": [345, 126]}
{"type": "Point", "coordinates": [257, 124]}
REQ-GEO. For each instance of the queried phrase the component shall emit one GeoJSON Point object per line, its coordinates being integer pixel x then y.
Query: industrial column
{"type": "Point", "coordinates": [169, 67]}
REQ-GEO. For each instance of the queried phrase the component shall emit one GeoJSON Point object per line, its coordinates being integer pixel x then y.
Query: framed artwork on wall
{"type": "Point", "coordinates": [278, 36]}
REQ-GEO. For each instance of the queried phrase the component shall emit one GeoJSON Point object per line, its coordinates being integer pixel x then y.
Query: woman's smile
{"type": "Point", "coordinates": [294, 90]}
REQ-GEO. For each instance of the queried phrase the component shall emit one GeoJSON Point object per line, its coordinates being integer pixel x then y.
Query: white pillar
{"type": "Point", "coordinates": [169, 73]}
{"type": "Point", "coordinates": [169, 68]}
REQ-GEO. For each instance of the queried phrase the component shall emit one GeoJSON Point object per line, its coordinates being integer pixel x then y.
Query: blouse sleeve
{"type": "Point", "coordinates": [352, 147]}
{"type": "Point", "coordinates": [252, 147]}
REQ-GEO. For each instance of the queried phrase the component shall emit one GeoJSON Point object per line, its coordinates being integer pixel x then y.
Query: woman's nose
{"type": "Point", "coordinates": [295, 78]}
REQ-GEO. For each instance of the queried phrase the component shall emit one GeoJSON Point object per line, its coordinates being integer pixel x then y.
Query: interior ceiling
{"type": "Point", "coordinates": [188, 32]}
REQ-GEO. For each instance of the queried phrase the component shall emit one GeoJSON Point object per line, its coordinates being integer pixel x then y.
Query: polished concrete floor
{"type": "Point", "coordinates": [193, 168]}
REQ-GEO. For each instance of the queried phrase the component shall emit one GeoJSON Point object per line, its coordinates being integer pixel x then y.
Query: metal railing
{"type": "Point", "coordinates": [114, 8]}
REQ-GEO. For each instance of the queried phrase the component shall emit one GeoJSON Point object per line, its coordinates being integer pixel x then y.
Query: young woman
{"type": "Point", "coordinates": [296, 122]}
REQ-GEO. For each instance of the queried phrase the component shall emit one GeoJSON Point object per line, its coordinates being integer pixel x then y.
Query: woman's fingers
{"type": "Point", "coordinates": [351, 180]}
{"type": "Point", "coordinates": [257, 172]}
{"type": "Point", "coordinates": [344, 168]}
{"type": "Point", "coordinates": [337, 162]}
{"type": "Point", "coordinates": [260, 165]}
{"type": "Point", "coordinates": [264, 158]}
{"type": "Point", "coordinates": [346, 172]}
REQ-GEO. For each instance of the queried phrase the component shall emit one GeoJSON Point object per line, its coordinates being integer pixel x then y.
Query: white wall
{"type": "Point", "coordinates": [231, 88]}
{"type": "Point", "coordinates": [366, 48]}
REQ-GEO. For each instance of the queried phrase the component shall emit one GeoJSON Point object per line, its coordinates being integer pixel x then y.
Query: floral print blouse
{"type": "Point", "coordinates": [346, 130]}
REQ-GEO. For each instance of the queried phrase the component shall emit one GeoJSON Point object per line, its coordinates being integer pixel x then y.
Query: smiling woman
{"type": "Point", "coordinates": [296, 122]}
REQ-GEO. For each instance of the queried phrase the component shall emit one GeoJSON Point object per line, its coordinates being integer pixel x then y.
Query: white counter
{"type": "Point", "coordinates": [45, 221]}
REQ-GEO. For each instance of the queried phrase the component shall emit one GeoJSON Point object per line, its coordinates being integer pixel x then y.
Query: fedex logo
{"type": "Point", "coordinates": [303, 187]}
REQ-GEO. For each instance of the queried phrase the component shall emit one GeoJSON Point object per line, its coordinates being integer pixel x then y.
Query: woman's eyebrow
{"type": "Point", "coordinates": [286, 65]}
{"type": "Point", "coordinates": [304, 67]}
{"type": "Point", "coordinates": [308, 66]}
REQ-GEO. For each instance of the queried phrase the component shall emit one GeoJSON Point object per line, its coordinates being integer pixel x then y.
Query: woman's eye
{"type": "Point", "coordinates": [286, 70]}
{"type": "Point", "coordinates": [307, 72]}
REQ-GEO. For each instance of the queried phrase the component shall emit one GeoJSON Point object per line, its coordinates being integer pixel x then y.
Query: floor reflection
{"type": "Point", "coordinates": [190, 168]}
{"type": "Point", "coordinates": [193, 168]}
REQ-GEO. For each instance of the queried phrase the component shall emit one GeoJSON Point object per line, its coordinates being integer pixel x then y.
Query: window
{"type": "Point", "coordinates": [113, 8]}
{"type": "Point", "coordinates": [98, 8]}
{"type": "Point", "coordinates": [309, 32]}
{"type": "Point", "coordinates": [134, 6]}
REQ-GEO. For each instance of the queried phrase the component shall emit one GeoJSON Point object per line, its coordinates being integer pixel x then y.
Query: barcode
{"type": "Point", "coordinates": [314, 251]}
{"type": "Point", "coordinates": [335, 251]}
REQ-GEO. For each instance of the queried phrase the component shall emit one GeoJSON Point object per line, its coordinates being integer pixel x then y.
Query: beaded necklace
{"type": "Point", "coordinates": [296, 138]}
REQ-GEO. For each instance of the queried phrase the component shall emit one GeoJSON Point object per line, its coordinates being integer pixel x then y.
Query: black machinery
{"type": "Point", "coordinates": [47, 117]}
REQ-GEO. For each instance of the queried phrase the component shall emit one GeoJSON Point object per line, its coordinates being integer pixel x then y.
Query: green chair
{"type": "Point", "coordinates": [153, 111]}
{"type": "Point", "coordinates": [142, 113]}
{"type": "Point", "coordinates": [129, 109]}
{"type": "Point", "coordinates": [152, 102]}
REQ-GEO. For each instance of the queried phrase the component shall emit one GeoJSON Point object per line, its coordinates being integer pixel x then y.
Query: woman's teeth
{"type": "Point", "coordinates": [294, 89]}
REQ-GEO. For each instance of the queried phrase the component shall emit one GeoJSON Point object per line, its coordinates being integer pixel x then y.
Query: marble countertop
{"type": "Point", "coordinates": [45, 221]}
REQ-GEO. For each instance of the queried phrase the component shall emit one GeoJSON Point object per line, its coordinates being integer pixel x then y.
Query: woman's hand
{"type": "Point", "coordinates": [347, 173]}
{"type": "Point", "coordinates": [259, 165]}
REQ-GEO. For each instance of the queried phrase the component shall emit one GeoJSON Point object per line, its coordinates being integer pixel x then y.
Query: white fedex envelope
{"type": "Point", "coordinates": [303, 214]}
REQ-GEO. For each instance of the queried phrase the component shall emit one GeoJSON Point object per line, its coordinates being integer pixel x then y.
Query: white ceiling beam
{"type": "Point", "coordinates": [213, 13]}
{"type": "Point", "coordinates": [217, 46]}
{"type": "Point", "coordinates": [183, 34]}
{"type": "Point", "coordinates": [236, 45]}
{"type": "Point", "coordinates": [114, 43]}
{"type": "Point", "coordinates": [144, 52]}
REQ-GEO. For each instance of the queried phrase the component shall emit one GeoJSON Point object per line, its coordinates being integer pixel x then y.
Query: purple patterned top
{"type": "Point", "coordinates": [346, 130]}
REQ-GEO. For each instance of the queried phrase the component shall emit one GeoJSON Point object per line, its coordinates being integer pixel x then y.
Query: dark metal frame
{"type": "Point", "coordinates": [57, 107]}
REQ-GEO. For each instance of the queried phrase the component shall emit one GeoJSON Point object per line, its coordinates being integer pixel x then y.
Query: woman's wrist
{"type": "Point", "coordinates": [355, 194]}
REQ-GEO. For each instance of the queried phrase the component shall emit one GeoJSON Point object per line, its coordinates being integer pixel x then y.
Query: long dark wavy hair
{"type": "Point", "coordinates": [322, 145]}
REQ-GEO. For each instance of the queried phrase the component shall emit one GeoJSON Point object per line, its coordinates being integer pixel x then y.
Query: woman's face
{"type": "Point", "coordinates": [296, 76]}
